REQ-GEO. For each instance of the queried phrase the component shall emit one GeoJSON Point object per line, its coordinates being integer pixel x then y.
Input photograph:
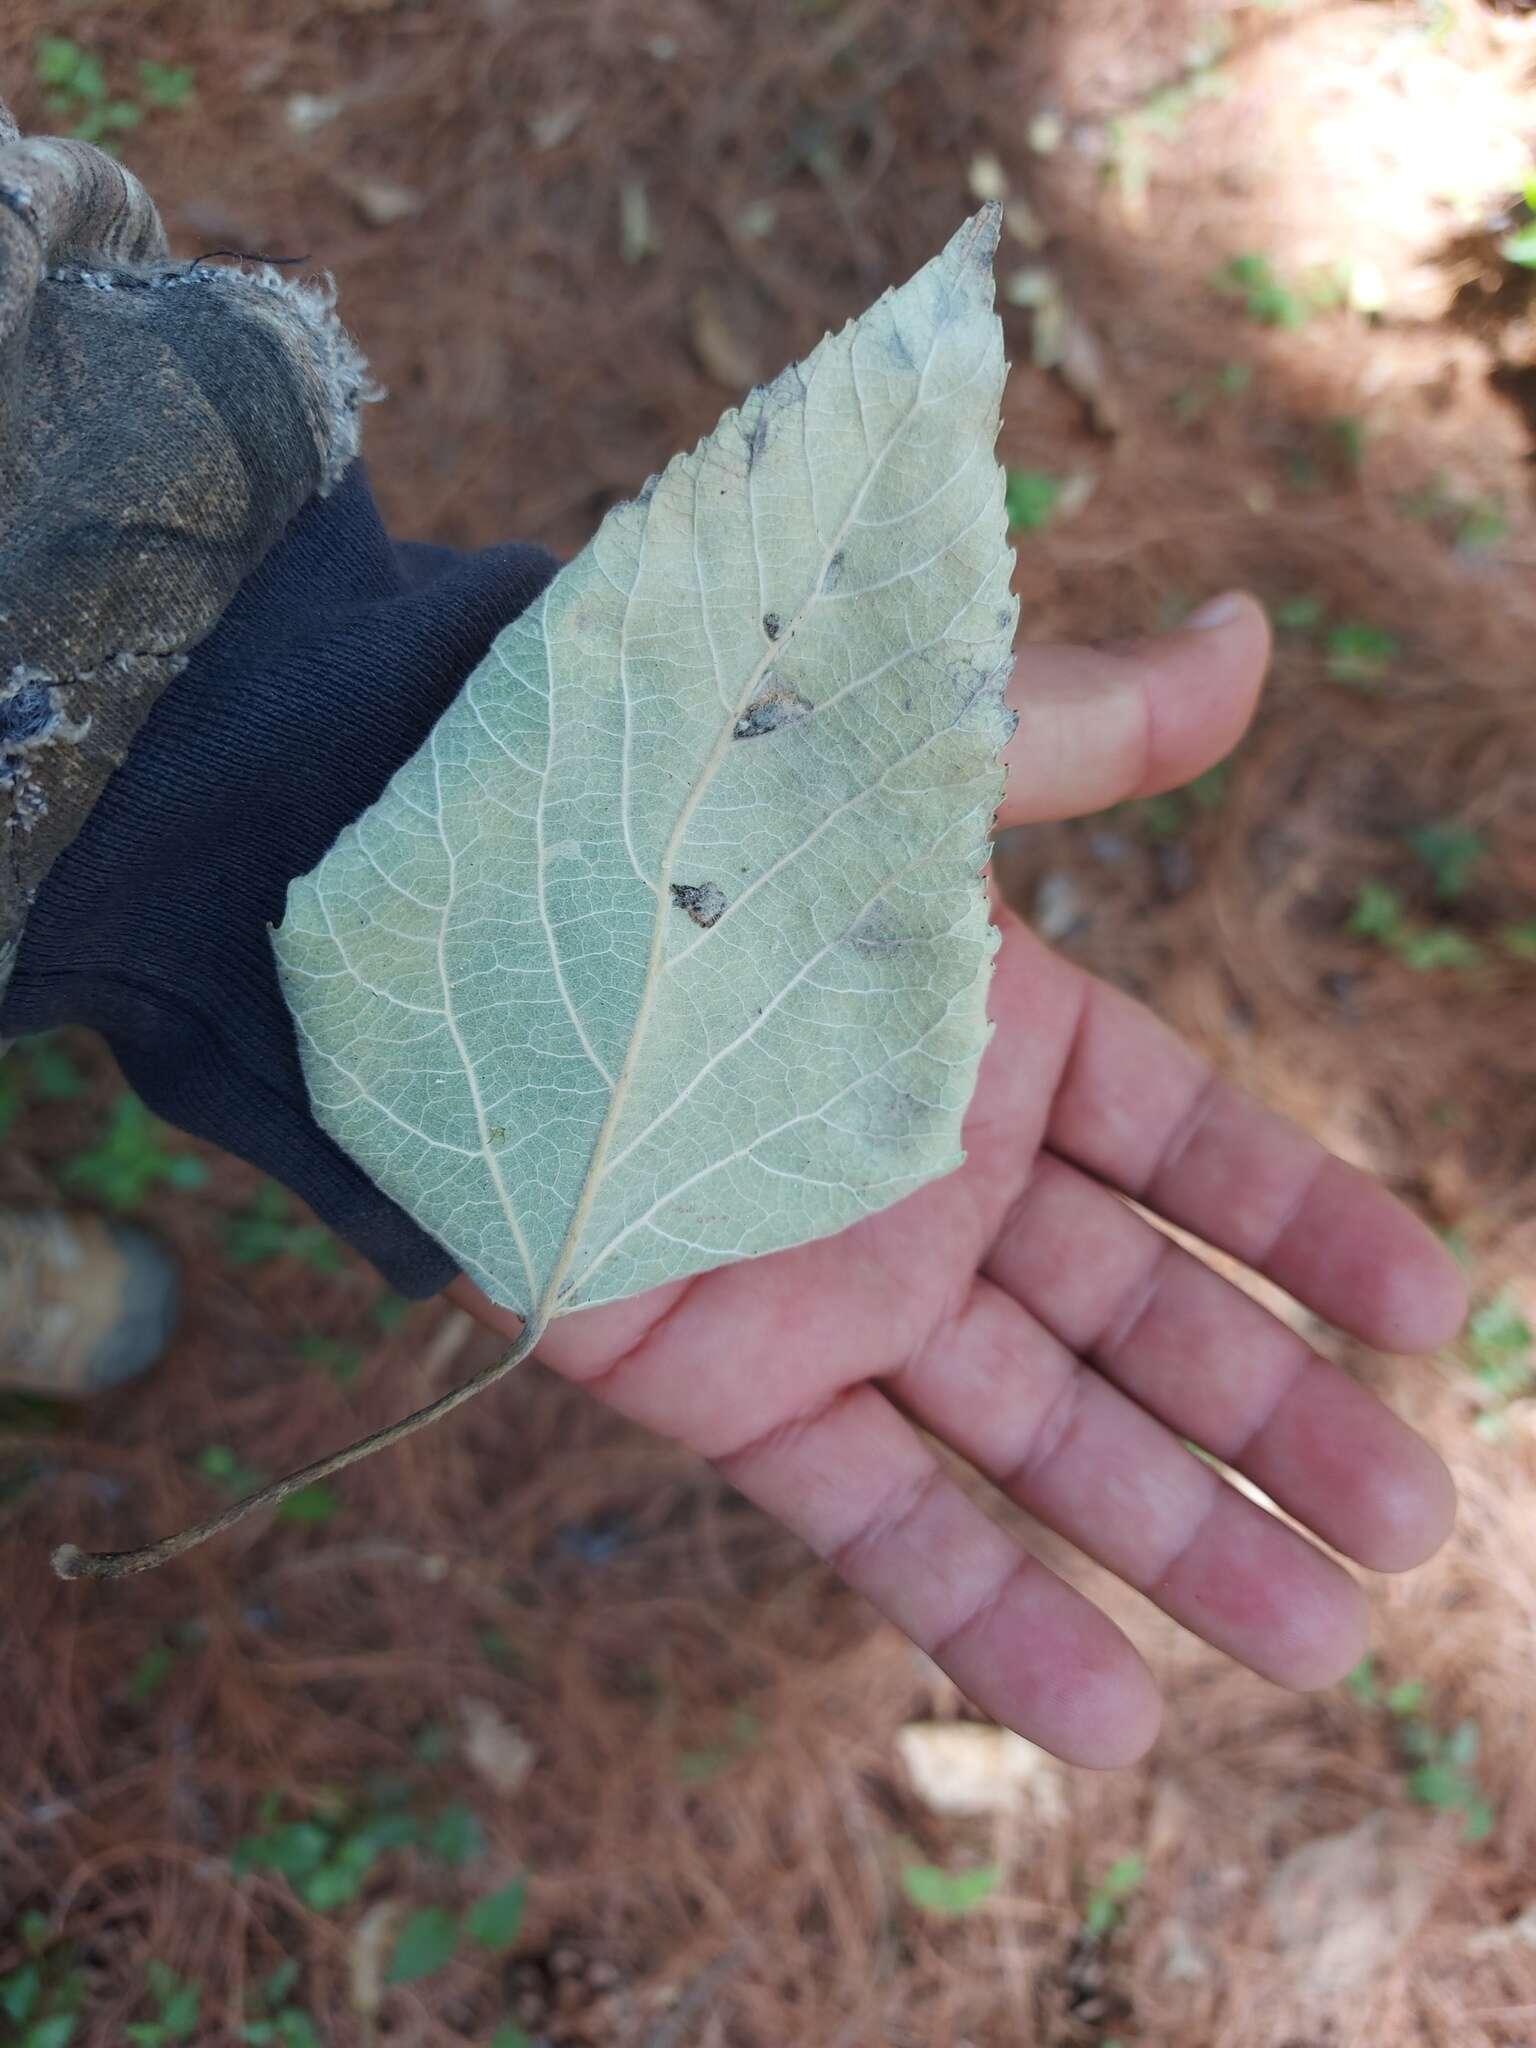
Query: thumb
{"type": "Point", "coordinates": [1100, 724]}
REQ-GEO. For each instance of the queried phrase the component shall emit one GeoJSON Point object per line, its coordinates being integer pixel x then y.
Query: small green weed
{"type": "Point", "coordinates": [1252, 281]}
{"type": "Point", "coordinates": [948, 1894]}
{"type": "Point", "coordinates": [1520, 245]}
{"type": "Point", "coordinates": [41, 1998]}
{"type": "Point", "coordinates": [1303, 614]}
{"type": "Point", "coordinates": [1439, 1765]}
{"type": "Point", "coordinates": [176, 2001]}
{"type": "Point", "coordinates": [78, 96]}
{"type": "Point", "coordinates": [311, 1504]}
{"type": "Point", "coordinates": [131, 1160]}
{"type": "Point", "coordinates": [698, 1766]}
{"type": "Point", "coordinates": [388, 1313]}
{"type": "Point", "coordinates": [1465, 523]}
{"type": "Point", "coordinates": [220, 1466]}
{"type": "Point", "coordinates": [1499, 1346]}
{"type": "Point", "coordinates": [430, 1938]}
{"type": "Point", "coordinates": [151, 1672]}
{"type": "Point", "coordinates": [274, 2019]}
{"type": "Point", "coordinates": [1359, 654]}
{"type": "Point", "coordinates": [1379, 914]}
{"type": "Point", "coordinates": [266, 1229]}
{"type": "Point", "coordinates": [1110, 1896]}
{"type": "Point", "coordinates": [332, 1354]}
{"type": "Point", "coordinates": [1168, 816]}
{"type": "Point", "coordinates": [1519, 940]}
{"type": "Point", "coordinates": [326, 1856]}
{"type": "Point", "coordinates": [1450, 851]}
{"type": "Point", "coordinates": [1195, 400]}
{"type": "Point", "coordinates": [36, 1069]}
{"type": "Point", "coordinates": [1031, 499]}
{"type": "Point", "coordinates": [1160, 119]}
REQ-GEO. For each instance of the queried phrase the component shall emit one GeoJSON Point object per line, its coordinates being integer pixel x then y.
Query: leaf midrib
{"type": "Point", "coordinates": [542, 1304]}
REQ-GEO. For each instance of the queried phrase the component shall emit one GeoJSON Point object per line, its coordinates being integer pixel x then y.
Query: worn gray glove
{"type": "Point", "coordinates": [160, 424]}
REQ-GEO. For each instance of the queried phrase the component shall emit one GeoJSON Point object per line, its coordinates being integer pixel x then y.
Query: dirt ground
{"type": "Point", "coordinates": [568, 232]}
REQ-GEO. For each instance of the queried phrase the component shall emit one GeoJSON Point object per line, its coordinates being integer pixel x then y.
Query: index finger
{"type": "Point", "coordinates": [1143, 1111]}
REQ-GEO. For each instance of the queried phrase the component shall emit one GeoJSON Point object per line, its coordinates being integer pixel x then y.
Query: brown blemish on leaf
{"type": "Point", "coordinates": [703, 901]}
{"type": "Point", "coordinates": [775, 707]}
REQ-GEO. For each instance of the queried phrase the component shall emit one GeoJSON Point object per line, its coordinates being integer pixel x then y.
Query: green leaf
{"type": "Point", "coordinates": [151, 1672]}
{"type": "Point", "coordinates": [1378, 912]}
{"type": "Point", "coordinates": [1405, 1698]}
{"type": "Point", "coordinates": [276, 1986]}
{"type": "Point", "coordinates": [1359, 653]}
{"type": "Point", "coordinates": [669, 946]}
{"type": "Point", "coordinates": [51, 1070]}
{"type": "Point", "coordinates": [178, 2014]}
{"type": "Point", "coordinates": [1438, 1784]}
{"type": "Point", "coordinates": [432, 1743]}
{"type": "Point", "coordinates": [496, 1920]}
{"type": "Point", "coordinates": [1461, 1745]}
{"type": "Point", "coordinates": [457, 1836]}
{"type": "Point", "coordinates": [219, 1465]}
{"type": "Point", "coordinates": [1440, 946]}
{"type": "Point", "coordinates": [57, 61]}
{"type": "Point", "coordinates": [948, 1893]}
{"type": "Point", "coordinates": [1478, 1825]}
{"type": "Point", "coordinates": [1519, 940]}
{"type": "Point", "coordinates": [258, 2033]}
{"type": "Point", "coordinates": [315, 1503]}
{"type": "Point", "coordinates": [57, 2031]}
{"type": "Point", "coordinates": [293, 1851]}
{"type": "Point", "coordinates": [1450, 852]}
{"type": "Point", "coordinates": [167, 85]}
{"type": "Point", "coordinates": [1520, 247]}
{"type": "Point", "coordinates": [510, 2035]}
{"type": "Point", "coordinates": [1302, 614]}
{"type": "Point", "coordinates": [1030, 499]}
{"type": "Point", "coordinates": [147, 2033]}
{"type": "Point", "coordinates": [388, 1313]}
{"type": "Point", "coordinates": [18, 1991]}
{"type": "Point", "coordinates": [332, 1885]}
{"type": "Point", "coordinates": [1251, 280]}
{"type": "Point", "coordinates": [426, 1942]}
{"type": "Point", "coordinates": [1361, 1682]}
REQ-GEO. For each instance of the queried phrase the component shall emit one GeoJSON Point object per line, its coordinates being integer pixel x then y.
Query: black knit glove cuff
{"type": "Point", "coordinates": [327, 671]}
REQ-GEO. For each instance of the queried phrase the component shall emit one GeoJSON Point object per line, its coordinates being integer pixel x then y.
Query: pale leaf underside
{"type": "Point", "coordinates": [669, 947]}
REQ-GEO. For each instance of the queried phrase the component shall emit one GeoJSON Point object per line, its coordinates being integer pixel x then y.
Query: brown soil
{"type": "Point", "coordinates": [715, 1816]}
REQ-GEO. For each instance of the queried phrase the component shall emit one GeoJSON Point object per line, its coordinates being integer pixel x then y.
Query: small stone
{"type": "Point", "coordinates": [308, 111]}
{"type": "Point", "coordinates": [1058, 907]}
{"type": "Point", "coordinates": [381, 203]}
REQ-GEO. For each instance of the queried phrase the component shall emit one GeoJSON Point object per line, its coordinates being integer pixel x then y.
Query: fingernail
{"type": "Point", "coordinates": [1217, 611]}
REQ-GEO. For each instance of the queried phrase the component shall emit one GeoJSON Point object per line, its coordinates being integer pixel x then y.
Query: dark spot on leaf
{"type": "Point", "coordinates": [896, 346]}
{"type": "Point", "coordinates": [834, 574]}
{"type": "Point", "coordinates": [775, 707]}
{"type": "Point", "coordinates": [772, 625]}
{"type": "Point", "coordinates": [1004, 617]}
{"type": "Point", "coordinates": [703, 901]}
{"type": "Point", "coordinates": [764, 403]}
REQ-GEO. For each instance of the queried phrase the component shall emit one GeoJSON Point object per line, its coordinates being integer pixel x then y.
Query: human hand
{"type": "Point", "coordinates": [1021, 1311]}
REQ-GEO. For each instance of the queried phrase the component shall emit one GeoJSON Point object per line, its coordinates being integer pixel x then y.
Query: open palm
{"type": "Point", "coordinates": [1023, 1312]}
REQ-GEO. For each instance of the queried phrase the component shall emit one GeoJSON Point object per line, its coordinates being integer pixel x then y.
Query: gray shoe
{"type": "Point", "coordinates": [85, 1302]}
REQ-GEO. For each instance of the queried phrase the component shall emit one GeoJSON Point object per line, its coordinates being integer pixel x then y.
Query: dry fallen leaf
{"type": "Point", "coordinates": [495, 1748]}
